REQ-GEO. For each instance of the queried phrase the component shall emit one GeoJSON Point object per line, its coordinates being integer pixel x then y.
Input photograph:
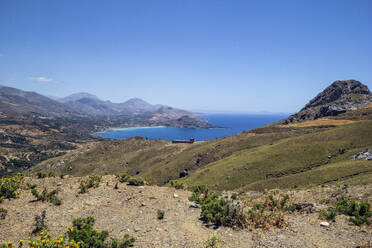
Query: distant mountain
{"type": "Point", "coordinates": [14, 102]}
{"type": "Point", "coordinates": [340, 97]}
{"type": "Point", "coordinates": [136, 105]}
{"type": "Point", "coordinates": [78, 96]}
{"type": "Point", "coordinates": [104, 114]}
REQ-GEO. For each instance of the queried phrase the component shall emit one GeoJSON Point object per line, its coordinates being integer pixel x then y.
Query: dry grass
{"type": "Point", "coordinates": [320, 122]}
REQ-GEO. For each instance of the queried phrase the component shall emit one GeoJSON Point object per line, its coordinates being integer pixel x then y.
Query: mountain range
{"type": "Point", "coordinates": [135, 111]}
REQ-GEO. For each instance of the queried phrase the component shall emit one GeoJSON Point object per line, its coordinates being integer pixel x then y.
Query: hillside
{"type": "Point", "coordinates": [296, 155]}
{"type": "Point", "coordinates": [133, 210]}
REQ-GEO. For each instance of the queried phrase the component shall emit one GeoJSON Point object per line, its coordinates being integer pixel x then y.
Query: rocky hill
{"type": "Point", "coordinates": [340, 97]}
{"type": "Point", "coordinates": [122, 209]}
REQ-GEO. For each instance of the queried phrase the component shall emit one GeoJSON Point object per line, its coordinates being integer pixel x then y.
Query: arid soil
{"type": "Point", "coordinates": [133, 210]}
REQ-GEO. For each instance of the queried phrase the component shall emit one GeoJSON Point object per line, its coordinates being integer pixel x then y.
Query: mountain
{"type": "Point", "coordinates": [14, 102]}
{"type": "Point", "coordinates": [341, 96]}
{"type": "Point", "coordinates": [136, 105]}
{"type": "Point", "coordinates": [78, 96]}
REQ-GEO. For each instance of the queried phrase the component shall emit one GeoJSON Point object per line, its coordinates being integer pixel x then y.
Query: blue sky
{"type": "Point", "coordinates": [246, 56]}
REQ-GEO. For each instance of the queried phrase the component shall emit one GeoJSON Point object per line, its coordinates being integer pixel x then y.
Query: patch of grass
{"type": "Point", "coordinates": [47, 196]}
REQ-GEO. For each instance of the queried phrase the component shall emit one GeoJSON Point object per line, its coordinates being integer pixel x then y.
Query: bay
{"type": "Point", "coordinates": [231, 123]}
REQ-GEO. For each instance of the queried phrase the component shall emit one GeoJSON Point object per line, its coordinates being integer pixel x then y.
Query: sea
{"type": "Point", "coordinates": [230, 124]}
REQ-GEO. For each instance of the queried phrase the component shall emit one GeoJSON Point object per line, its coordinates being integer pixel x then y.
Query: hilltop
{"type": "Point", "coordinates": [340, 97]}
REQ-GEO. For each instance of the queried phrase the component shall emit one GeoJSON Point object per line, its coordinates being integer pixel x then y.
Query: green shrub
{"type": "Point", "coordinates": [176, 184]}
{"type": "Point", "coordinates": [41, 175]}
{"type": "Point", "coordinates": [359, 213]}
{"type": "Point", "coordinates": [329, 214]}
{"type": "Point", "coordinates": [160, 214]}
{"type": "Point", "coordinates": [61, 175]}
{"type": "Point", "coordinates": [47, 196]}
{"type": "Point", "coordinates": [3, 213]}
{"type": "Point", "coordinates": [91, 182]}
{"type": "Point", "coordinates": [123, 177]}
{"type": "Point", "coordinates": [31, 186]}
{"type": "Point", "coordinates": [212, 241]}
{"type": "Point", "coordinates": [213, 211]}
{"type": "Point", "coordinates": [126, 241]}
{"type": "Point", "coordinates": [82, 231]}
{"type": "Point", "coordinates": [51, 174]}
{"type": "Point", "coordinates": [202, 194]}
{"type": "Point", "coordinates": [136, 182]}
{"type": "Point", "coordinates": [9, 186]}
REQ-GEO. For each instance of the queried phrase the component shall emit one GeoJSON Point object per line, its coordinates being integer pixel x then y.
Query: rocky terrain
{"type": "Point", "coordinates": [340, 97]}
{"type": "Point", "coordinates": [132, 210]}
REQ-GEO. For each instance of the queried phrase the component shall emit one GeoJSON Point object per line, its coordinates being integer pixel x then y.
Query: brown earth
{"type": "Point", "coordinates": [132, 210]}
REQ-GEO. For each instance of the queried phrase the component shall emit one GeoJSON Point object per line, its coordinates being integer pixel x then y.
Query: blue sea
{"type": "Point", "coordinates": [231, 123]}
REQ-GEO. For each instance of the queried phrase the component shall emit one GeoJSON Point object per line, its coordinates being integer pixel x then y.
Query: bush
{"type": "Point", "coordinates": [329, 214]}
{"type": "Point", "coordinates": [82, 231]}
{"type": "Point", "coordinates": [212, 241]}
{"type": "Point", "coordinates": [3, 213]}
{"type": "Point", "coordinates": [123, 177]}
{"type": "Point", "coordinates": [136, 182]}
{"type": "Point", "coordinates": [213, 211]}
{"type": "Point", "coordinates": [40, 223]}
{"type": "Point", "coordinates": [201, 194]}
{"type": "Point", "coordinates": [41, 175]}
{"type": "Point", "coordinates": [47, 196]}
{"type": "Point", "coordinates": [80, 235]}
{"type": "Point", "coordinates": [91, 182]}
{"type": "Point", "coordinates": [160, 214]}
{"type": "Point", "coordinates": [359, 213]}
{"type": "Point", "coordinates": [176, 184]}
{"type": "Point", "coordinates": [9, 186]}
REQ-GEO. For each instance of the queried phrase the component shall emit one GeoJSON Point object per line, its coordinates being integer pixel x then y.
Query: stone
{"type": "Point", "coordinates": [193, 205]}
{"type": "Point", "coordinates": [175, 195]}
{"type": "Point", "coordinates": [324, 224]}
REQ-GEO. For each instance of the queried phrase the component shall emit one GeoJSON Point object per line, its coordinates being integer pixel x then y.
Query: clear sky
{"type": "Point", "coordinates": [193, 54]}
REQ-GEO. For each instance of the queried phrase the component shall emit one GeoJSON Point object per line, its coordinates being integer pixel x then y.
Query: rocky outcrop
{"type": "Point", "coordinates": [341, 96]}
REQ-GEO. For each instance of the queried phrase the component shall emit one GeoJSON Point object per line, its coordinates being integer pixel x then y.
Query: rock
{"type": "Point", "coordinates": [324, 224]}
{"type": "Point", "coordinates": [193, 205]}
{"type": "Point", "coordinates": [136, 229]}
{"type": "Point", "coordinates": [59, 184]}
{"type": "Point", "coordinates": [175, 195]}
{"type": "Point", "coordinates": [341, 96]}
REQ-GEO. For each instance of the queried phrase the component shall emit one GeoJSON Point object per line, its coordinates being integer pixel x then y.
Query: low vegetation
{"type": "Point", "coordinates": [80, 235]}
{"type": "Point", "coordinates": [359, 212]}
{"type": "Point", "coordinates": [160, 214]}
{"type": "Point", "coordinates": [136, 182]}
{"type": "Point", "coordinates": [9, 186]}
{"type": "Point", "coordinates": [176, 184]}
{"type": "Point", "coordinates": [213, 241]}
{"type": "Point", "coordinates": [92, 181]}
{"type": "Point", "coordinates": [47, 196]}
